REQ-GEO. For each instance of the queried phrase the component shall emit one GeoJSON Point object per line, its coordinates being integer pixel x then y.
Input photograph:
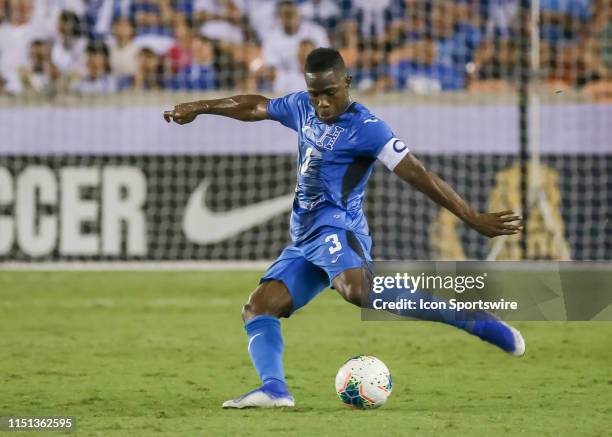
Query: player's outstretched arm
{"type": "Point", "coordinates": [491, 224]}
{"type": "Point", "coordinates": [248, 107]}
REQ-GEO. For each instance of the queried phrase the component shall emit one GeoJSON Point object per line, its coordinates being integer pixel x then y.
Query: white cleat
{"type": "Point", "coordinates": [519, 342]}
{"type": "Point", "coordinates": [260, 399]}
{"type": "Point", "coordinates": [508, 338]}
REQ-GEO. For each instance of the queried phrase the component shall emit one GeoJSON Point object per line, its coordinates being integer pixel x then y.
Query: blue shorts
{"type": "Point", "coordinates": [309, 266]}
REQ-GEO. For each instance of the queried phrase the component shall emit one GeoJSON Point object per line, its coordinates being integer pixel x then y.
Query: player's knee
{"type": "Point", "coordinates": [247, 312]}
{"type": "Point", "coordinates": [269, 299]}
{"type": "Point", "coordinates": [253, 309]}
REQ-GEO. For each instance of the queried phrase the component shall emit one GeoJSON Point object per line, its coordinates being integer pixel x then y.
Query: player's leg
{"type": "Point", "coordinates": [290, 283]}
{"type": "Point", "coordinates": [354, 285]}
{"type": "Point", "coordinates": [270, 301]}
{"type": "Point", "coordinates": [345, 256]}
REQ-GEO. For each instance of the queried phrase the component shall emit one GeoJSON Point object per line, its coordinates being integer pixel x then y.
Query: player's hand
{"type": "Point", "coordinates": [181, 114]}
{"type": "Point", "coordinates": [493, 224]}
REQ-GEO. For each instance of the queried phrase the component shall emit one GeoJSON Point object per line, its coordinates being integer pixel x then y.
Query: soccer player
{"type": "Point", "coordinates": [339, 141]}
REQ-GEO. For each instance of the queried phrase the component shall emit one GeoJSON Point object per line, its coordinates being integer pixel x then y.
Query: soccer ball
{"type": "Point", "coordinates": [363, 382]}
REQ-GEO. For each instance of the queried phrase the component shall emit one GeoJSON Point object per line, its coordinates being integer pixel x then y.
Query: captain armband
{"type": "Point", "coordinates": [392, 153]}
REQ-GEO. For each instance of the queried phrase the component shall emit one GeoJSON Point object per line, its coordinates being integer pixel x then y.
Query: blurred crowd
{"type": "Point", "coordinates": [92, 47]}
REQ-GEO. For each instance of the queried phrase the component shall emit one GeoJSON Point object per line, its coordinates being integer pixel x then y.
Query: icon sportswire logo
{"type": "Point", "coordinates": [203, 226]}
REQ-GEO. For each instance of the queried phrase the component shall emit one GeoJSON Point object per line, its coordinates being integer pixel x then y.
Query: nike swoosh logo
{"type": "Point", "coordinates": [203, 226]}
{"type": "Point", "coordinates": [336, 259]}
{"type": "Point", "coordinates": [251, 340]}
{"type": "Point", "coordinates": [371, 120]}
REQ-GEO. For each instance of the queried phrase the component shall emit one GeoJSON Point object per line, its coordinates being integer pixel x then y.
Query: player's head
{"type": "Point", "coordinates": [327, 82]}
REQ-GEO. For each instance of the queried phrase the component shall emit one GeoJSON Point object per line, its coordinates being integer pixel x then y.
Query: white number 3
{"type": "Point", "coordinates": [336, 243]}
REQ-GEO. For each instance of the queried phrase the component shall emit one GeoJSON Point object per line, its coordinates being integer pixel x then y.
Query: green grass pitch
{"type": "Point", "coordinates": [155, 353]}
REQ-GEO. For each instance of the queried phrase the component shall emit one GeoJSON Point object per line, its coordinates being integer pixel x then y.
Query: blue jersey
{"type": "Point", "coordinates": [334, 163]}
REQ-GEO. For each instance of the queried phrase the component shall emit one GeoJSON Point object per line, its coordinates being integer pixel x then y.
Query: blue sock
{"type": "Point", "coordinates": [479, 323]}
{"type": "Point", "coordinates": [266, 350]}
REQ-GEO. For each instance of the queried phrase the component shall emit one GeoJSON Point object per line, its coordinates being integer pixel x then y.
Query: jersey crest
{"type": "Point", "coordinates": [329, 137]}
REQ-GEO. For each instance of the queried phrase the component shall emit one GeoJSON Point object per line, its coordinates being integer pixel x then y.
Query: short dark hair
{"type": "Point", "coordinates": [323, 59]}
{"type": "Point", "coordinates": [204, 38]}
{"type": "Point", "coordinates": [121, 19]}
{"type": "Point", "coordinates": [97, 47]}
{"type": "Point", "coordinates": [282, 3]}
{"type": "Point", "coordinates": [147, 51]}
{"type": "Point", "coordinates": [73, 20]}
